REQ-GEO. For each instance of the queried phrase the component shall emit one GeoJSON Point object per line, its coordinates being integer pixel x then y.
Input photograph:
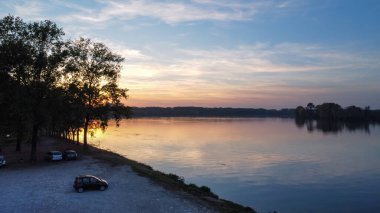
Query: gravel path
{"type": "Point", "coordinates": [49, 189]}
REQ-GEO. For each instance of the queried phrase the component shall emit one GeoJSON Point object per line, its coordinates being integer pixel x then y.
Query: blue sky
{"type": "Point", "coordinates": [243, 53]}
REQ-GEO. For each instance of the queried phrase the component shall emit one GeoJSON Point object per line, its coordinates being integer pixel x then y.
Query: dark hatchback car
{"type": "Point", "coordinates": [70, 155]}
{"type": "Point", "coordinates": [89, 182]}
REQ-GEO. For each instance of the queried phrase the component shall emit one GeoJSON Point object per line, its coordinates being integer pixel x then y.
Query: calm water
{"type": "Point", "coordinates": [268, 164]}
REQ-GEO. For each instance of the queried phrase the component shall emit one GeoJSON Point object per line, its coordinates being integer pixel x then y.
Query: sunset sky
{"type": "Point", "coordinates": [242, 53]}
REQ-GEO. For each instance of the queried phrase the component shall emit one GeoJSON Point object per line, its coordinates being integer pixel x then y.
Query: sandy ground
{"type": "Point", "coordinates": [49, 188]}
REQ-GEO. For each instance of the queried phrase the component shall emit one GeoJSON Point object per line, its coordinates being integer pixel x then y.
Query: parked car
{"type": "Point", "coordinates": [3, 162]}
{"type": "Point", "coordinates": [70, 155]}
{"type": "Point", "coordinates": [53, 156]}
{"type": "Point", "coordinates": [89, 182]}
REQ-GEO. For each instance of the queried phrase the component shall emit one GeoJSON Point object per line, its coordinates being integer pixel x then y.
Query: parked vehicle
{"type": "Point", "coordinates": [54, 156]}
{"type": "Point", "coordinates": [3, 162]}
{"type": "Point", "coordinates": [89, 182]}
{"type": "Point", "coordinates": [70, 155]}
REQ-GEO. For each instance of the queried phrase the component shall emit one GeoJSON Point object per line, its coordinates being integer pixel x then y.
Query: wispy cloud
{"type": "Point", "coordinates": [31, 10]}
{"type": "Point", "coordinates": [259, 72]}
{"type": "Point", "coordinates": [171, 61]}
{"type": "Point", "coordinates": [171, 12]}
{"type": "Point", "coordinates": [259, 58]}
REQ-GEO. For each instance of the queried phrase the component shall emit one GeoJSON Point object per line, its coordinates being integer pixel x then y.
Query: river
{"type": "Point", "coordinates": [268, 164]}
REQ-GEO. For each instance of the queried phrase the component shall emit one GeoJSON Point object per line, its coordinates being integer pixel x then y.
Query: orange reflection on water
{"type": "Point", "coordinates": [249, 160]}
{"type": "Point", "coordinates": [190, 141]}
{"type": "Point", "coordinates": [234, 145]}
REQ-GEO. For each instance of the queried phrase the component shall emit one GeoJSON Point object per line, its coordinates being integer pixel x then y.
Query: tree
{"type": "Point", "coordinates": [94, 69]}
{"type": "Point", "coordinates": [330, 111]}
{"type": "Point", "coordinates": [66, 111]}
{"type": "Point", "coordinates": [310, 106]}
{"type": "Point", "coordinates": [5, 107]}
{"type": "Point", "coordinates": [14, 60]}
{"type": "Point", "coordinates": [300, 112]}
{"type": "Point", "coordinates": [355, 113]}
{"type": "Point", "coordinates": [31, 54]}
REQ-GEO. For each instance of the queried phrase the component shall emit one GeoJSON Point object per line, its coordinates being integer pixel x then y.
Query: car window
{"type": "Point", "coordinates": [86, 180]}
{"type": "Point", "coordinates": [93, 180]}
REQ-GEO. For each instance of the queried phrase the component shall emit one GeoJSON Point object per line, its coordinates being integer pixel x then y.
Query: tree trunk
{"type": "Point", "coordinates": [85, 128]}
{"type": "Point", "coordinates": [33, 153]}
{"type": "Point", "coordinates": [18, 144]}
{"type": "Point", "coordinates": [19, 135]}
{"type": "Point", "coordinates": [77, 136]}
{"type": "Point", "coordinates": [73, 136]}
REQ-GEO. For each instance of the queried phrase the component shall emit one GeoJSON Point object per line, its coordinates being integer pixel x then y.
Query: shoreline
{"type": "Point", "coordinates": [170, 182]}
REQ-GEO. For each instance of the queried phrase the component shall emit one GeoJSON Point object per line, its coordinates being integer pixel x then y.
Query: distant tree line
{"type": "Point", "coordinates": [327, 117]}
{"type": "Point", "coordinates": [333, 111]}
{"type": "Point", "coordinates": [52, 85]}
{"type": "Point", "coordinates": [209, 112]}
{"type": "Point", "coordinates": [334, 126]}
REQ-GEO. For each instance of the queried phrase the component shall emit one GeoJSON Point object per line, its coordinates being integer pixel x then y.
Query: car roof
{"type": "Point", "coordinates": [82, 176]}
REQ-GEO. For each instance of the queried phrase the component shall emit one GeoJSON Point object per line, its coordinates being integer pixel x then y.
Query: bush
{"type": "Point", "coordinates": [176, 178]}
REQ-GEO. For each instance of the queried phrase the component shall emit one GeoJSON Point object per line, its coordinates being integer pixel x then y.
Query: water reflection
{"type": "Point", "coordinates": [268, 164]}
{"type": "Point", "coordinates": [328, 126]}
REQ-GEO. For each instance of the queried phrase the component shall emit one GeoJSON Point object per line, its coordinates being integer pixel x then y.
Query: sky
{"type": "Point", "coordinates": [222, 53]}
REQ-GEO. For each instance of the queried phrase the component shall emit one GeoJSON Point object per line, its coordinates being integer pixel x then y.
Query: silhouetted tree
{"type": "Point", "coordinates": [300, 112]}
{"type": "Point", "coordinates": [54, 85]}
{"type": "Point", "coordinates": [95, 70]}
{"type": "Point", "coordinates": [330, 117]}
{"type": "Point", "coordinates": [329, 111]}
{"type": "Point", "coordinates": [354, 113]}
{"type": "Point", "coordinates": [15, 58]}
{"type": "Point", "coordinates": [33, 57]}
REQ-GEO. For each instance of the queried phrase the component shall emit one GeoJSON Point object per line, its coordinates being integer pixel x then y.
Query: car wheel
{"type": "Point", "coordinates": [80, 190]}
{"type": "Point", "coordinates": [102, 188]}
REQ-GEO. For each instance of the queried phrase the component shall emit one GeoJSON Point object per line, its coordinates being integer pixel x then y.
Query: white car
{"type": "Point", "coordinates": [3, 162]}
{"type": "Point", "coordinates": [53, 156]}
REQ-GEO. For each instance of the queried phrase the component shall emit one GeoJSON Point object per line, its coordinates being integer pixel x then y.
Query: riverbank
{"type": "Point", "coordinates": [168, 193]}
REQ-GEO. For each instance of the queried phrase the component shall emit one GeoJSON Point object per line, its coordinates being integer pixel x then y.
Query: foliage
{"type": "Point", "coordinates": [333, 111]}
{"type": "Point", "coordinates": [331, 117]}
{"type": "Point", "coordinates": [176, 178]}
{"type": "Point", "coordinates": [51, 84]}
{"type": "Point", "coordinates": [94, 70]}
